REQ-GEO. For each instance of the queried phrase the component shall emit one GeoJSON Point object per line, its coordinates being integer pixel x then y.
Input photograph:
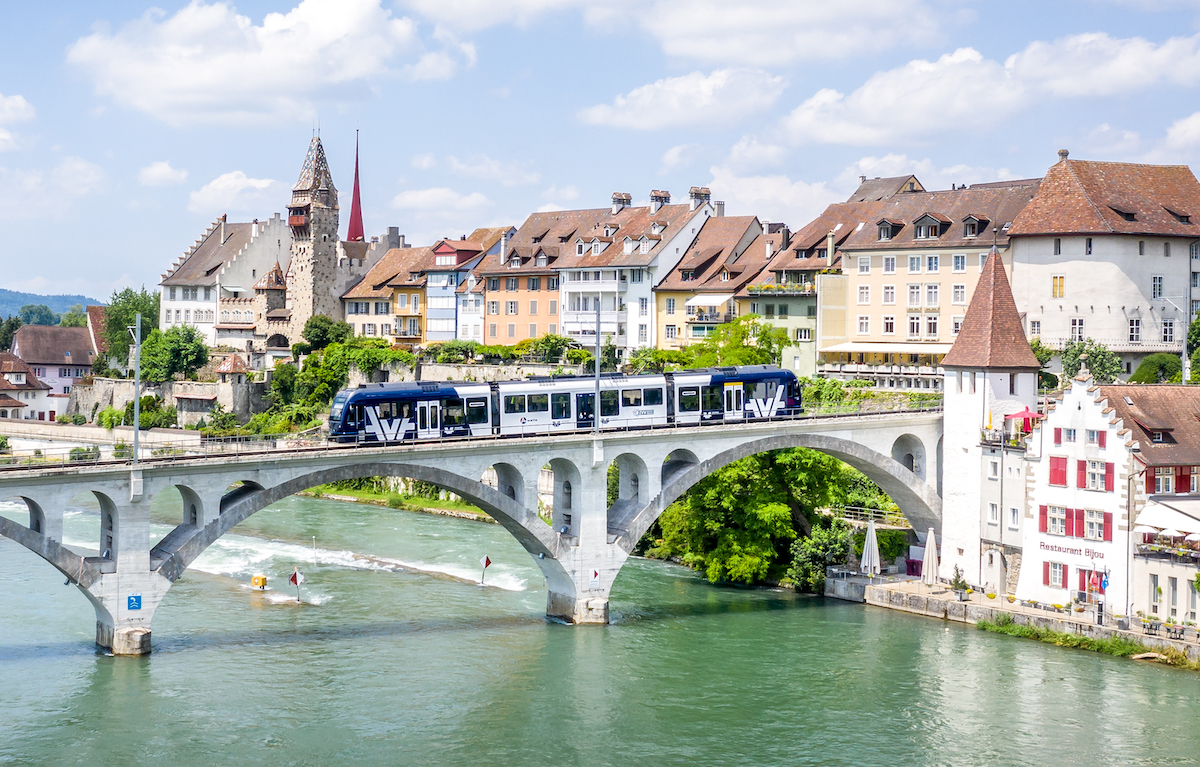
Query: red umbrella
{"type": "Point", "coordinates": [1026, 415]}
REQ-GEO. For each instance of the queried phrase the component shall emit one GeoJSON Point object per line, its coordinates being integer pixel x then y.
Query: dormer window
{"type": "Point", "coordinates": [1156, 436]}
{"type": "Point", "coordinates": [1124, 214]}
{"type": "Point", "coordinates": [724, 276]}
{"type": "Point", "coordinates": [628, 246]}
{"type": "Point", "coordinates": [926, 231]}
{"type": "Point", "coordinates": [885, 232]}
{"type": "Point", "coordinates": [644, 246]}
{"type": "Point", "coordinates": [688, 275]}
{"type": "Point", "coordinates": [542, 260]}
{"type": "Point", "coordinates": [412, 276]}
{"type": "Point", "coordinates": [596, 248]}
{"type": "Point", "coordinates": [656, 228]}
{"type": "Point", "coordinates": [514, 262]}
{"type": "Point", "coordinates": [579, 246]}
{"type": "Point", "coordinates": [610, 230]}
{"type": "Point", "coordinates": [1182, 218]}
{"type": "Point", "coordinates": [971, 229]}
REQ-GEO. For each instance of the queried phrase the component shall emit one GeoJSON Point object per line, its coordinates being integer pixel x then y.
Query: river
{"type": "Point", "coordinates": [396, 656]}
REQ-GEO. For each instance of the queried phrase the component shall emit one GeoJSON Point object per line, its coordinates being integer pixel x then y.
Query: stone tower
{"type": "Point", "coordinates": [313, 218]}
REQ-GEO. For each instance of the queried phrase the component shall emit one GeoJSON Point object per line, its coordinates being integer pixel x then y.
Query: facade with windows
{"type": "Point", "coordinates": [389, 302]}
{"type": "Point", "coordinates": [911, 260]}
{"type": "Point", "coordinates": [22, 394]}
{"type": "Point", "coordinates": [1106, 251]}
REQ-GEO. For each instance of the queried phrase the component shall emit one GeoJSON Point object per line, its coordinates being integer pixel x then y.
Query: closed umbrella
{"type": "Point", "coordinates": [929, 567]}
{"type": "Point", "coordinates": [870, 555]}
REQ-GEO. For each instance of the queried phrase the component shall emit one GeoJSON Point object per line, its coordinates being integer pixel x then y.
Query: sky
{"type": "Point", "coordinates": [126, 128]}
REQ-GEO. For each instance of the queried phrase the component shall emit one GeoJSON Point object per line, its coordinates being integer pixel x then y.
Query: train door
{"type": "Point", "coordinates": [733, 401]}
{"type": "Point", "coordinates": [429, 424]}
{"type": "Point", "coordinates": [585, 410]}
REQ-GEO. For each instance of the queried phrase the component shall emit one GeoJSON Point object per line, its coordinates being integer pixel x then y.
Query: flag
{"type": "Point", "coordinates": [485, 562]}
{"type": "Point", "coordinates": [297, 578]}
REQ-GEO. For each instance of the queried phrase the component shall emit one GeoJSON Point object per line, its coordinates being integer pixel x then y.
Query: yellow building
{"type": "Point", "coordinates": [389, 302]}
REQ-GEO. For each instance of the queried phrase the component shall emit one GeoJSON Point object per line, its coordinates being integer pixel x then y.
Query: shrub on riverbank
{"type": "Point", "coordinates": [1116, 646]}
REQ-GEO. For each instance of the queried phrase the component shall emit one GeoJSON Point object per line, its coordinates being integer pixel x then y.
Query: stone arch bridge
{"type": "Point", "coordinates": [580, 554]}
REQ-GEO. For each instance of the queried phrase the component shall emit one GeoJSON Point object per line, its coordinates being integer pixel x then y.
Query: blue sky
{"type": "Point", "coordinates": [126, 128]}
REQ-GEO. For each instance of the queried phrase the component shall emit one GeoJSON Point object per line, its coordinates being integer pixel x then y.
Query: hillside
{"type": "Point", "coordinates": [11, 301]}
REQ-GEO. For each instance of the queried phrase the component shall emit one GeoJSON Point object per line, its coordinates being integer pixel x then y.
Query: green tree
{"type": "Point", "coordinates": [283, 384]}
{"type": "Point", "coordinates": [828, 544]}
{"type": "Point", "coordinates": [37, 314]}
{"type": "Point", "coordinates": [75, 317]}
{"type": "Point", "coordinates": [1156, 368]}
{"type": "Point", "coordinates": [649, 359]}
{"type": "Point", "coordinates": [9, 328]}
{"type": "Point", "coordinates": [123, 307]}
{"type": "Point", "coordinates": [1104, 365]}
{"type": "Point", "coordinates": [321, 331]}
{"type": "Point", "coordinates": [1044, 356]}
{"type": "Point", "coordinates": [1193, 336]}
{"type": "Point", "coordinates": [220, 419]}
{"type": "Point", "coordinates": [745, 341]}
{"type": "Point", "coordinates": [179, 350]}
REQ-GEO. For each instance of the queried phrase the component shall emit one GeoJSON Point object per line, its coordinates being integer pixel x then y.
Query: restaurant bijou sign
{"type": "Point", "coordinates": [1085, 553]}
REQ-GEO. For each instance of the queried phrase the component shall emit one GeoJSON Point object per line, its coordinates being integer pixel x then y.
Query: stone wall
{"type": "Point", "coordinates": [433, 371]}
{"type": "Point", "coordinates": [244, 399]}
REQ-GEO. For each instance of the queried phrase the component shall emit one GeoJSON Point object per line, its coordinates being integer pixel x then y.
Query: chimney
{"type": "Point", "coordinates": [829, 248]}
{"type": "Point", "coordinates": [720, 209]}
{"type": "Point", "coordinates": [659, 198]}
{"type": "Point", "coordinates": [785, 236]}
{"type": "Point", "coordinates": [394, 239]}
{"type": "Point", "coordinates": [620, 201]}
{"type": "Point", "coordinates": [1063, 154]}
{"type": "Point", "coordinates": [766, 230]}
{"type": "Point", "coordinates": [699, 195]}
{"type": "Point", "coordinates": [862, 179]}
{"type": "Point", "coordinates": [503, 248]}
{"type": "Point", "coordinates": [254, 229]}
{"type": "Point", "coordinates": [223, 228]}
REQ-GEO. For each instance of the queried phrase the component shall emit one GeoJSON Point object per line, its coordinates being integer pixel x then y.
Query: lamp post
{"type": "Point", "coordinates": [136, 332]}
{"type": "Point", "coordinates": [596, 406]}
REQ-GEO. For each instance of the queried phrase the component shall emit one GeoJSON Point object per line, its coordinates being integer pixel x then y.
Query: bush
{"type": "Point", "coordinates": [1156, 368]}
{"type": "Point", "coordinates": [828, 544]}
{"type": "Point", "coordinates": [85, 453]}
{"type": "Point", "coordinates": [151, 414]}
{"type": "Point", "coordinates": [79, 419]}
{"type": "Point", "coordinates": [3, 442]}
{"type": "Point", "coordinates": [121, 450]}
{"type": "Point", "coordinates": [579, 357]}
{"type": "Point", "coordinates": [62, 418]}
{"type": "Point", "coordinates": [110, 417]}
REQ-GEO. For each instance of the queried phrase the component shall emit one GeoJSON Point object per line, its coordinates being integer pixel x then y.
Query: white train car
{"type": "Point", "coordinates": [552, 405]}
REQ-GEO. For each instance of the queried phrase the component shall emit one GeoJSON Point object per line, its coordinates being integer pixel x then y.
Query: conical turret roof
{"type": "Point", "coordinates": [315, 174]}
{"type": "Point", "coordinates": [991, 335]}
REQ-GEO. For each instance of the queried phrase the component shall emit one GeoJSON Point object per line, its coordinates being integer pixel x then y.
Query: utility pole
{"type": "Point", "coordinates": [136, 330]}
{"type": "Point", "coordinates": [596, 407]}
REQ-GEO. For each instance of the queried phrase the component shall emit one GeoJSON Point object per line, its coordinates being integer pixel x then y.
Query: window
{"type": "Point", "coordinates": [960, 262]}
{"type": "Point", "coordinates": [1068, 435]}
{"type": "Point", "coordinates": [636, 274]}
{"type": "Point", "coordinates": [671, 332]}
{"type": "Point", "coordinates": [642, 333]}
{"type": "Point", "coordinates": [889, 294]}
{"type": "Point", "coordinates": [1057, 246]}
{"type": "Point", "coordinates": [931, 294]}
{"type": "Point", "coordinates": [1156, 436]}
{"type": "Point", "coordinates": [493, 307]}
{"type": "Point", "coordinates": [610, 403]}
{"type": "Point", "coordinates": [971, 229]}
{"type": "Point", "coordinates": [534, 283]}
{"type": "Point", "coordinates": [492, 330]}
{"type": "Point", "coordinates": [171, 293]}
{"type": "Point", "coordinates": [864, 294]}
{"type": "Point", "coordinates": [783, 311]}
{"type": "Point", "coordinates": [1035, 327]}
{"type": "Point", "coordinates": [956, 324]}
{"type": "Point", "coordinates": [914, 294]}
{"type": "Point", "coordinates": [914, 326]}
{"type": "Point", "coordinates": [1093, 525]}
{"type": "Point", "coordinates": [1092, 436]}
{"type": "Point", "coordinates": [1141, 247]}
{"type": "Point", "coordinates": [931, 325]}
{"type": "Point", "coordinates": [671, 306]}
{"type": "Point", "coordinates": [983, 257]}
{"type": "Point", "coordinates": [885, 231]}
{"type": "Point", "coordinates": [493, 283]}
{"type": "Point", "coordinates": [864, 264]}
{"type": "Point", "coordinates": [533, 308]}
{"type": "Point", "coordinates": [1058, 575]}
{"type": "Point", "coordinates": [369, 329]}
{"type": "Point", "coordinates": [553, 310]}
{"type": "Point", "coordinates": [510, 307]}
{"type": "Point", "coordinates": [560, 406]}
{"type": "Point", "coordinates": [1077, 329]}
{"type": "Point", "coordinates": [1155, 597]}
{"type": "Point", "coordinates": [416, 303]}
{"type": "Point", "coordinates": [993, 469]}
{"type": "Point", "coordinates": [927, 231]}
{"type": "Point", "coordinates": [1058, 286]}
{"type": "Point", "coordinates": [579, 248]}
{"type": "Point", "coordinates": [864, 324]}
{"type": "Point", "coordinates": [511, 283]}
{"type": "Point", "coordinates": [805, 334]}
{"type": "Point", "coordinates": [1167, 249]}
{"type": "Point", "coordinates": [1135, 330]}
{"type": "Point", "coordinates": [552, 283]}
{"type": "Point", "coordinates": [553, 329]}
{"type": "Point", "coordinates": [932, 263]}
{"type": "Point", "coordinates": [1056, 520]}
{"type": "Point", "coordinates": [533, 330]}
{"type": "Point", "coordinates": [1095, 475]}
{"type": "Point", "coordinates": [1164, 479]}
{"type": "Point", "coordinates": [889, 264]}
{"type": "Point", "coordinates": [514, 403]}
{"type": "Point", "coordinates": [993, 513]}
{"type": "Point", "coordinates": [631, 398]}
{"type": "Point", "coordinates": [889, 325]}
{"type": "Point", "coordinates": [1014, 518]}
{"type": "Point", "coordinates": [643, 307]}
{"type": "Point", "coordinates": [770, 311]}
{"type": "Point", "coordinates": [1195, 477]}
{"type": "Point", "coordinates": [958, 294]}
{"type": "Point", "coordinates": [512, 330]}
{"type": "Point", "coordinates": [1156, 286]}
{"type": "Point", "coordinates": [1058, 468]}
{"type": "Point", "coordinates": [914, 264]}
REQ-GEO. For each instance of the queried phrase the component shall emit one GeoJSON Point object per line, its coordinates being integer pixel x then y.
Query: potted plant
{"type": "Point", "coordinates": [991, 595]}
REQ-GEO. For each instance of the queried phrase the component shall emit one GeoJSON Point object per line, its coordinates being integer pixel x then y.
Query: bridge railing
{"type": "Point", "coordinates": [863, 515]}
{"type": "Point", "coordinates": [314, 440]}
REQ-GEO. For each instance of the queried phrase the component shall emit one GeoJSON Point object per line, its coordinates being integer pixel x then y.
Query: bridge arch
{"type": "Point", "coordinates": [909, 451]}
{"type": "Point", "coordinates": [916, 499]}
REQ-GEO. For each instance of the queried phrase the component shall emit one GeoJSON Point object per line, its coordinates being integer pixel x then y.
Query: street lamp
{"type": "Point", "coordinates": [136, 332]}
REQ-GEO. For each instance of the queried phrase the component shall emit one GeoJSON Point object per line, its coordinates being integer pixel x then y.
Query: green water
{"type": "Point", "coordinates": [395, 657]}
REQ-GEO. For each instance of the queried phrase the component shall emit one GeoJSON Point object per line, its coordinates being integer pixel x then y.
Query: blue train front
{"type": "Point", "coordinates": [389, 413]}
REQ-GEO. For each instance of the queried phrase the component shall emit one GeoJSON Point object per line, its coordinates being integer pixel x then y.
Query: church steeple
{"type": "Point", "coordinates": [354, 232]}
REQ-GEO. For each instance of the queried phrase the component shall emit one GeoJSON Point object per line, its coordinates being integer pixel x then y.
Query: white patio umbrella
{"type": "Point", "coordinates": [870, 555]}
{"type": "Point", "coordinates": [1144, 529]}
{"type": "Point", "coordinates": [1170, 533]}
{"type": "Point", "coordinates": [1193, 537]}
{"type": "Point", "coordinates": [929, 566]}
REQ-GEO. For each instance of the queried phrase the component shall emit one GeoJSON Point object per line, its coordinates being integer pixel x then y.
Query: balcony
{"type": "Point", "coordinates": [587, 320]}
{"type": "Point", "coordinates": [406, 332]}
{"type": "Point", "coordinates": [1123, 344]}
{"type": "Point", "coordinates": [788, 289]}
{"type": "Point", "coordinates": [1179, 555]}
{"type": "Point", "coordinates": [298, 220]}
{"type": "Point", "coordinates": [711, 318]}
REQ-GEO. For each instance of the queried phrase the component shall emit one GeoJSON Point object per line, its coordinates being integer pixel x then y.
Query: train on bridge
{"type": "Point", "coordinates": [406, 412]}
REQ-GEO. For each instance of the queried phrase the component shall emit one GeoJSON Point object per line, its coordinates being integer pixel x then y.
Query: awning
{"type": "Point", "coordinates": [882, 347]}
{"type": "Point", "coordinates": [709, 300]}
{"type": "Point", "coordinates": [1183, 514]}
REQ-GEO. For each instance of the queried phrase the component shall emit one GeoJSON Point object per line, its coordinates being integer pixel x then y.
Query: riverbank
{"type": "Point", "coordinates": [422, 505]}
{"type": "Point", "coordinates": [1015, 619]}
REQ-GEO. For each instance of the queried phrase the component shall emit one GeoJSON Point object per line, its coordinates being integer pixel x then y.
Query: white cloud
{"type": "Point", "coordinates": [473, 15]}
{"type": "Point", "coordinates": [1112, 143]}
{"type": "Point", "coordinates": [774, 198]}
{"type": "Point", "coordinates": [1095, 64]}
{"type": "Point", "coordinates": [694, 100]}
{"type": "Point", "coordinates": [234, 193]}
{"type": "Point", "coordinates": [423, 161]}
{"type": "Point", "coordinates": [161, 173]}
{"type": "Point", "coordinates": [750, 153]}
{"type": "Point", "coordinates": [206, 63]}
{"type": "Point", "coordinates": [555, 192]}
{"type": "Point", "coordinates": [1184, 133]}
{"type": "Point", "coordinates": [958, 92]}
{"type": "Point", "coordinates": [550, 208]}
{"type": "Point", "coordinates": [33, 193]}
{"type": "Point", "coordinates": [439, 200]}
{"type": "Point", "coordinates": [678, 156]}
{"type": "Point", "coordinates": [487, 169]}
{"type": "Point", "coordinates": [15, 109]}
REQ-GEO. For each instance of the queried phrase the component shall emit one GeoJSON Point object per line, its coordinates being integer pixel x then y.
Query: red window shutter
{"type": "Point", "coordinates": [1043, 511]}
{"type": "Point", "coordinates": [1101, 438]}
{"type": "Point", "coordinates": [1045, 573]}
{"type": "Point", "coordinates": [1058, 470]}
{"type": "Point", "coordinates": [1070, 523]}
{"type": "Point", "coordinates": [1058, 436]}
{"type": "Point", "coordinates": [1083, 580]}
{"type": "Point", "coordinates": [1066, 573]}
{"type": "Point", "coordinates": [1108, 525]}
{"type": "Point", "coordinates": [1080, 522]}
{"type": "Point", "coordinates": [1110, 475]}
{"type": "Point", "coordinates": [1081, 474]}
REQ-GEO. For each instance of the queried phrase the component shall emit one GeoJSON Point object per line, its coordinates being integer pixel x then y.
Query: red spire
{"type": "Point", "coordinates": [354, 233]}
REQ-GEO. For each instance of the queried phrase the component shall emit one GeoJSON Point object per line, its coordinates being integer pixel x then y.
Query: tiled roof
{"type": "Point", "coordinates": [873, 189]}
{"type": "Point", "coordinates": [11, 363]}
{"type": "Point", "coordinates": [545, 230]}
{"type": "Point", "coordinates": [53, 345]}
{"type": "Point", "coordinates": [8, 402]}
{"type": "Point", "coordinates": [394, 265]}
{"type": "Point", "coordinates": [233, 364]}
{"type": "Point", "coordinates": [991, 335]}
{"type": "Point", "coordinates": [272, 280]}
{"type": "Point", "coordinates": [201, 265]}
{"type": "Point", "coordinates": [488, 236]}
{"type": "Point", "coordinates": [1086, 197]}
{"type": "Point", "coordinates": [1173, 409]}
{"type": "Point", "coordinates": [715, 247]}
{"type": "Point", "coordinates": [314, 174]}
{"type": "Point", "coordinates": [95, 319]}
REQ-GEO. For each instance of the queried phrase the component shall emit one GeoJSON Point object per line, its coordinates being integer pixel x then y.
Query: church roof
{"type": "Point", "coordinates": [991, 334]}
{"type": "Point", "coordinates": [272, 280]}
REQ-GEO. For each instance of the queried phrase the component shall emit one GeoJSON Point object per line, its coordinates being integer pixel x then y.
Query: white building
{"type": "Point", "coordinates": [990, 372]}
{"type": "Point", "coordinates": [22, 395]}
{"type": "Point", "coordinates": [1105, 250]}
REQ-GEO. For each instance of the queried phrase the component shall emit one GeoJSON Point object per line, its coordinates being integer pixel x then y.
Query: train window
{"type": "Point", "coordinates": [339, 403]}
{"type": "Point", "coordinates": [514, 403]}
{"type": "Point", "coordinates": [433, 416]}
{"type": "Point", "coordinates": [423, 420]}
{"type": "Point", "coordinates": [764, 390]}
{"type": "Point", "coordinates": [652, 397]}
{"type": "Point", "coordinates": [560, 406]}
{"type": "Point", "coordinates": [539, 403]}
{"type": "Point", "coordinates": [477, 411]}
{"type": "Point", "coordinates": [631, 398]}
{"type": "Point", "coordinates": [711, 396]}
{"type": "Point", "coordinates": [609, 403]}
{"type": "Point", "coordinates": [453, 413]}
{"type": "Point", "coordinates": [689, 399]}
{"type": "Point", "coordinates": [387, 409]}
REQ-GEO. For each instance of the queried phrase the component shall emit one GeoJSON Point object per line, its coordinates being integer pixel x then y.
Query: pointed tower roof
{"type": "Point", "coordinates": [354, 232]}
{"type": "Point", "coordinates": [315, 176]}
{"type": "Point", "coordinates": [272, 280]}
{"type": "Point", "coordinates": [991, 334]}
